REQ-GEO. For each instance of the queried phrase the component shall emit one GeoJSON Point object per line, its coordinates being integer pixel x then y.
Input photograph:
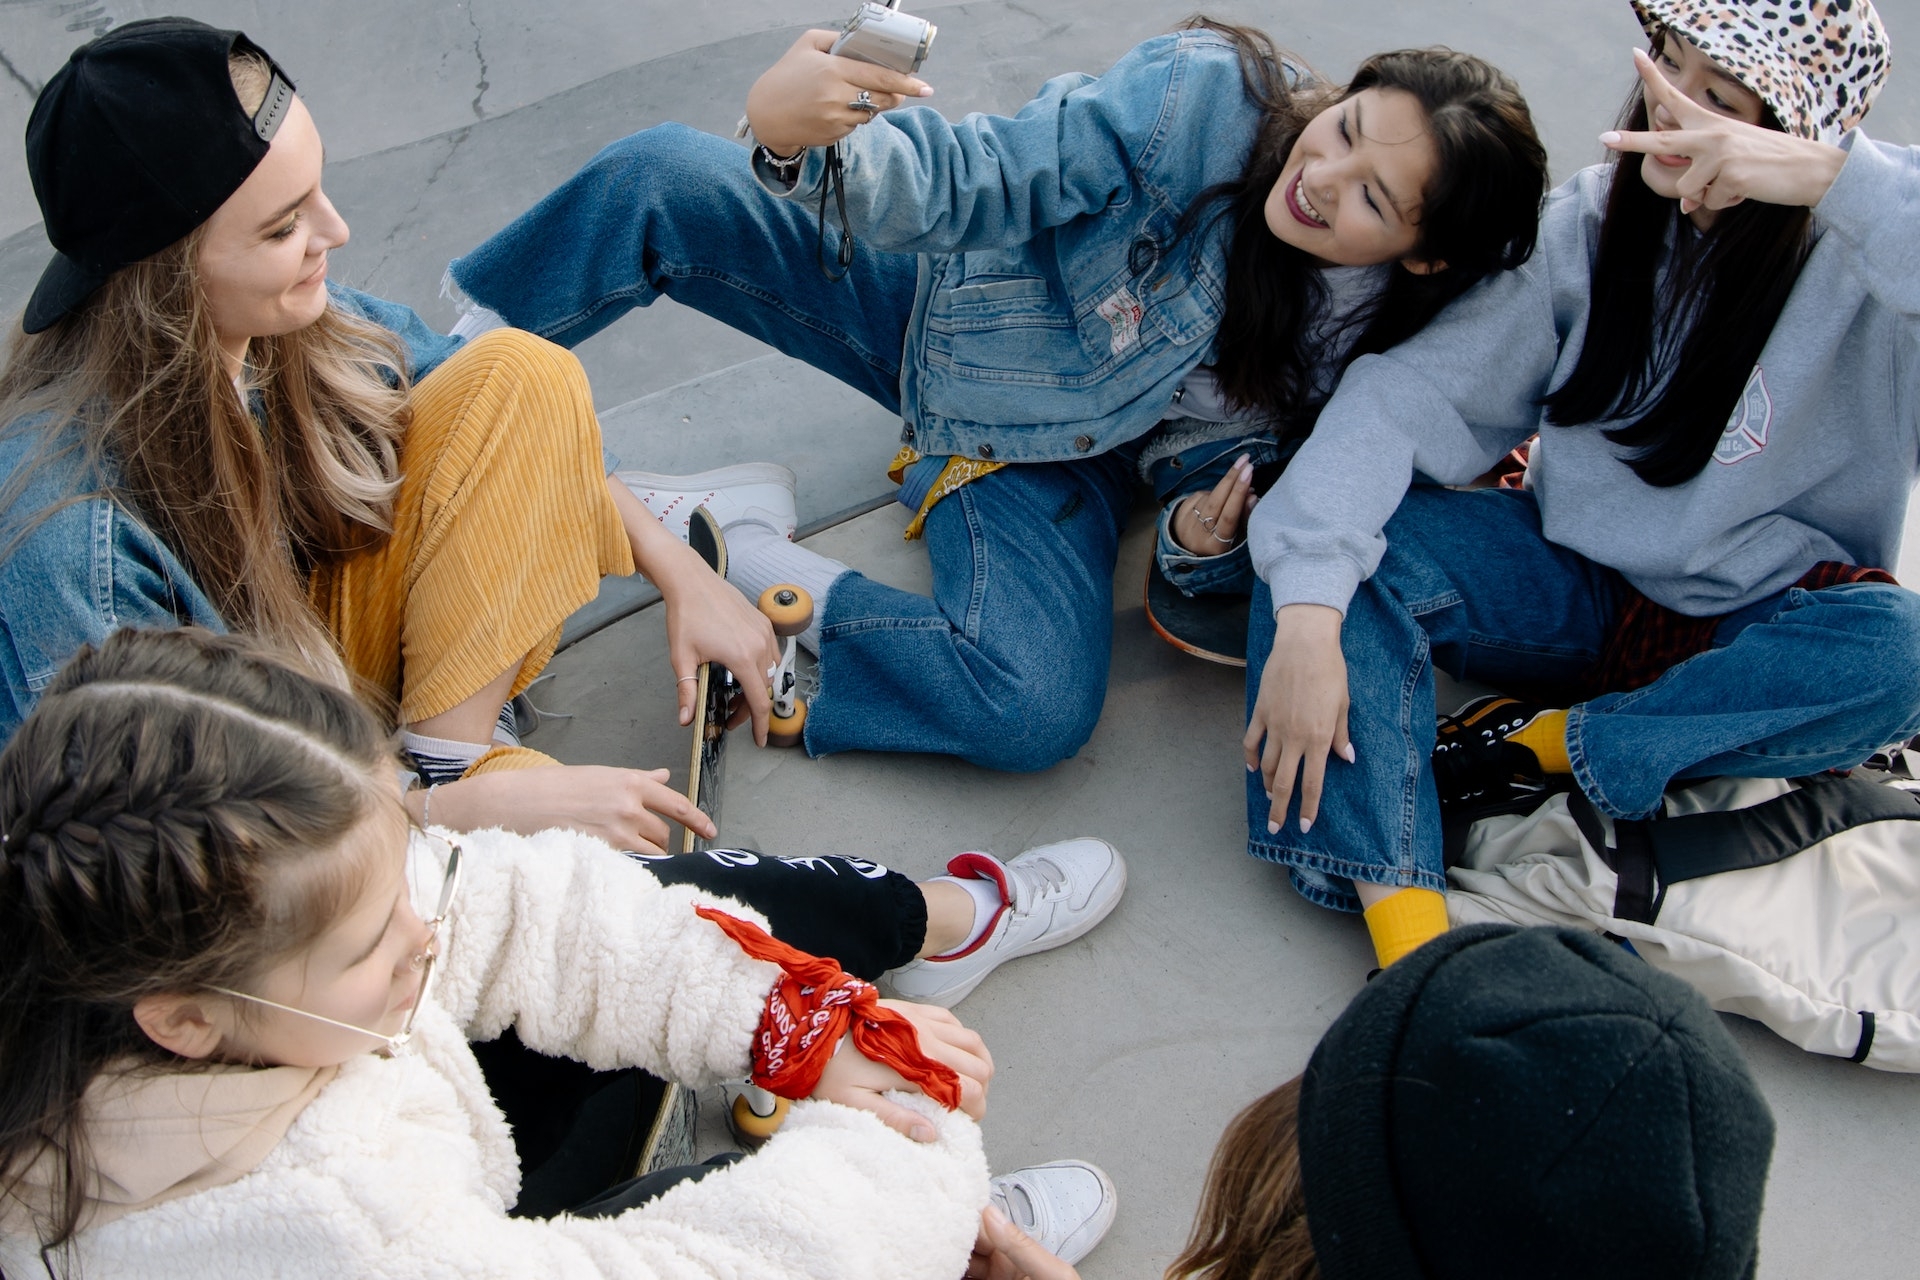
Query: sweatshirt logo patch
{"type": "Point", "coordinates": [1123, 311]}
{"type": "Point", "coordinates": [1746, 432]}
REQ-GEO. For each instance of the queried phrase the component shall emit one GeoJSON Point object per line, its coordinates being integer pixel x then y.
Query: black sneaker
{"type": "Point", "coordinates": [1475, 765]}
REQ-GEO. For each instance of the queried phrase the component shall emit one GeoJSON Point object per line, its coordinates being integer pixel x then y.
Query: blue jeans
{"type": "Point", "coordinates": [1795, 684]}
{"type": "Point", "coordinates": [1006, 665]}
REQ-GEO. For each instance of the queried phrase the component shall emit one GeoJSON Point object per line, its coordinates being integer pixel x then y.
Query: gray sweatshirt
{"type": "Point", "coordinates": [1816, 462]}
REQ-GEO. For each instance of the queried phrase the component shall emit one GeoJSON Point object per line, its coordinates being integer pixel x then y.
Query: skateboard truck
{"type": "Point", "coordinates": [790, 609]}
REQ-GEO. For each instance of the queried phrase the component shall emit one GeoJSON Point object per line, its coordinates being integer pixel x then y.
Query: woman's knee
{"type": "Point", "coordinates": [517, 353]}
{"type": "Point", "coordinates": [510, 415]}
{"type": "Point", "coordinates": [1884, 620]}
{"type": "Point", "coordinates": [668, 167]}
{"type": "Point", "coordinates": [1042, 719]}
{"type": "Point", "coordinates": [508, 380]}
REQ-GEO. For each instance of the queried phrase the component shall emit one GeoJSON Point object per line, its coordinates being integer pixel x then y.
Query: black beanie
{"type": "Point", "coordinates": [1531, 1102]}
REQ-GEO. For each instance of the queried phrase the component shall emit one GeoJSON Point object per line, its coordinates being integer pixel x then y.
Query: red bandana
{"type": "Point", "coordinates": [809, 1009]}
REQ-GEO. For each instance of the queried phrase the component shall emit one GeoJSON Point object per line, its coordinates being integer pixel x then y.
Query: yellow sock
{"type": "Point", "coordinates": [1402, 921]}
{"type": "Point", "coordinates": [1546, 737]}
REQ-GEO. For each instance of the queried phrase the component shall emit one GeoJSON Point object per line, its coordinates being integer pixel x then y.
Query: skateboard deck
{"type": "Point", "coordinates": [670, 1134]}
{"type": "Point", "coordinates": [1211, 627]}
{"type": "Point", "coordinates": [714, 693]}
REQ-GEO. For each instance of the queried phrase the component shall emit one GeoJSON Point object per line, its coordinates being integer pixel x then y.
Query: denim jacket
{"type": "Point", "coordinates": [91, 566]}
{"type": "Point", "coordinates": [1034, 338]}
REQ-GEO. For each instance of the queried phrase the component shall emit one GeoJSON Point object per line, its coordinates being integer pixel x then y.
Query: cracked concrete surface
{"type": "Point", "coordinates": [1212, 981]}
{"type": "Point", "coordinates": [480, 84]}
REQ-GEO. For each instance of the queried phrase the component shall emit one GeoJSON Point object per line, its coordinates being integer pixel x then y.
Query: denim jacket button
{"type": "Point", "coordinates": [1083, 443]}
{"type": "Point", "coordinates": [906, 434]}
{"type": "Point", "coordinates": [1183, 568]}
{"type": "Point", "coordinates": [986, 451]}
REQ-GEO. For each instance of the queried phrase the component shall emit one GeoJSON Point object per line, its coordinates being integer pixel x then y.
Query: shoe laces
{"type": "Point", "coordinates": [1034, 880]}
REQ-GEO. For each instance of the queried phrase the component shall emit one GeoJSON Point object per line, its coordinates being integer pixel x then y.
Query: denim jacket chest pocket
{"type": "Point", "coordinates": [1068, 310]}
{"type": "Point", "coordinates": [998, 289]}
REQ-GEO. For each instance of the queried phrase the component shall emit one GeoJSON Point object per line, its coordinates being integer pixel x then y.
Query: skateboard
{"type": "Point", "coordinates": [1211, 627]}
{"type": "Point", "coordinates": [717, 691]}
{"type": "Point", "coordinates": [755, 1113]}
{"type": "Point", "coordinates": [716, 694]}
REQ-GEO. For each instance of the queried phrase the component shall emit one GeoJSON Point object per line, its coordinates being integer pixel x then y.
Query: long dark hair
{"type": "Point", "coordinates": [170, 820]}
{"type": "Point", "coordinates": [1480, 214]}
{"type": "Point", "coordinates": [1675, 355]}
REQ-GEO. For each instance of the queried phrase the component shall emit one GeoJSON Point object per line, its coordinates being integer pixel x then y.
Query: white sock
{"type": "Point", "coordinates": [986, 906]}
{"type": "Point", "coordinates": [476, 320]}
{"type": "Point", "coordinates": [442, 759]}
{"type": "Point", "coordinates": [758, 558]}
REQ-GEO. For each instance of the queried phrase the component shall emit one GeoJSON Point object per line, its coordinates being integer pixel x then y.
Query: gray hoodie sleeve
{"type": "Point", "coordinates": [1872, 206]}
{"type": "Point", "coordinates": [1446, 404]}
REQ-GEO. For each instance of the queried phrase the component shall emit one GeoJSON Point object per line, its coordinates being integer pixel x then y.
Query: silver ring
{"type": "Point", "coordinates": [863, 101]}
{"type": "Point", "coordinates": [684, 679]}
{"type": "Point", "coordinates": [1217, 538]}
{"type": "Point", "coordinates": [1207, 522]}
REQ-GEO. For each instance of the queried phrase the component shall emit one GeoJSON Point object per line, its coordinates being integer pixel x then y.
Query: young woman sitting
{"type": "Point", "coordinates": [1716, 346]}
{"type": "Point", "coordinates": [1207, 229]}
{"type": "Point", "coordinates": [237, 986]}
{"type": "Point", "coordinates": [199, 427]}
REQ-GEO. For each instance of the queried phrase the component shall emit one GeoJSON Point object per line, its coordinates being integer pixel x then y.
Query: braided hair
{"type": "Point", "coordinates": [170, 819]}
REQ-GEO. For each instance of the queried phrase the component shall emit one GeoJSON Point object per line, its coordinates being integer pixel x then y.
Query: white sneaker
{"type": "Point", "coordinates": [1052, 895]}
{"type": "Point", "coordinates": [761, 491]}
{"type": "Point", "coordinates": [1066, 1205]}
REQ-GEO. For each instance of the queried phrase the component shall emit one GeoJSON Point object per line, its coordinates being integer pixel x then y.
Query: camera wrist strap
{"type": "Point", "coordinates": [834, 182]}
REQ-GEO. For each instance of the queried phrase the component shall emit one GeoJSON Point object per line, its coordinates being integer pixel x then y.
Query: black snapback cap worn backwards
{"type": "Point", "coordinates": [133, 144]}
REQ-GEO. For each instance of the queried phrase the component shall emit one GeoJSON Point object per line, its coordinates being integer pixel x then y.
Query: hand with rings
{"type": "Point", "coordinates": [811, 98]}
{"type": "Point", "coordinates": [1208, 524]}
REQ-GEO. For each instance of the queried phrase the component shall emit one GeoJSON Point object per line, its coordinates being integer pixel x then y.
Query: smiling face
{"type": "Point", "coordinates": [1706, 82]}
{"type": "Point", "coordinates": [360, 971]}
{"type": "Point", "coordinates": [1350, 192]}
{"type": "Point", "coordinates": [263, 257]}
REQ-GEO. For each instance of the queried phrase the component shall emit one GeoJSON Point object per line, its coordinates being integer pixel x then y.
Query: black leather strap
{"type": "Point", "coordinates": [1705, 844]}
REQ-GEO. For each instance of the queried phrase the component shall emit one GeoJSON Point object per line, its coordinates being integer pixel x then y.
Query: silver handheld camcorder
{"type": "Point", "coordinates": [886, 37]}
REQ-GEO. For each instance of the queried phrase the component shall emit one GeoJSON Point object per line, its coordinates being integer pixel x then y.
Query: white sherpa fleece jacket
{"type": "Point", "coordinates": [404, 1167]}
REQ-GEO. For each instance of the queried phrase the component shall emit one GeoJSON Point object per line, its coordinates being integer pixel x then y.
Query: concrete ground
{"type": "Point", "coordinates": [1212, 981]}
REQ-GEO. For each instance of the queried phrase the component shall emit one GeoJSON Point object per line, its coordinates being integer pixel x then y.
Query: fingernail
{"type": "Point", "coordinates": [1253, 768]}
{"type": "Point", "coordinates": [1610, 138]}
{"type": "Point", "coordinates": [996, 1217]}
{"type": "Point", "coordinates": [923, 1133]}
{"type": "Point", "coordinates": [1273, 828]}
{"type": "Point", "coordinates": [926, 91]}
{"type": "Point", "coordinates": [1306, 825]}
{"type": "Point", "coordinates": [1350, 753]}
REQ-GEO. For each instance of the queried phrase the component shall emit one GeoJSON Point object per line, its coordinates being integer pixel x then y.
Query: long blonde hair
{"type": "Point", "coordinates": [250, 507]}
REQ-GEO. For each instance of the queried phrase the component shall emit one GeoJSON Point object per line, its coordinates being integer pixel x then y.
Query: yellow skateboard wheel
{"type": "Point", "coordinates": [788, 607]}
{"type": "Point", "coordinates": [752, 1128]}
{"type": "Point", "coordinates": [785, 731]}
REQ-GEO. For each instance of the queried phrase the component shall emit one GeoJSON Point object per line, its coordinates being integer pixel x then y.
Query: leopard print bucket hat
{"type": "Point", "coordinates": [1818, 63]}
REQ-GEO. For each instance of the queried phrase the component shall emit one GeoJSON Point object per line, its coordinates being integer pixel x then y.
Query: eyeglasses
{"type": "Point", "coordinates": [424, 961]}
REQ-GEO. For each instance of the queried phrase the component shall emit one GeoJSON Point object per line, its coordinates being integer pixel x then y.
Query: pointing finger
{"type": "Point", "coordinates": [1660, 91]}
